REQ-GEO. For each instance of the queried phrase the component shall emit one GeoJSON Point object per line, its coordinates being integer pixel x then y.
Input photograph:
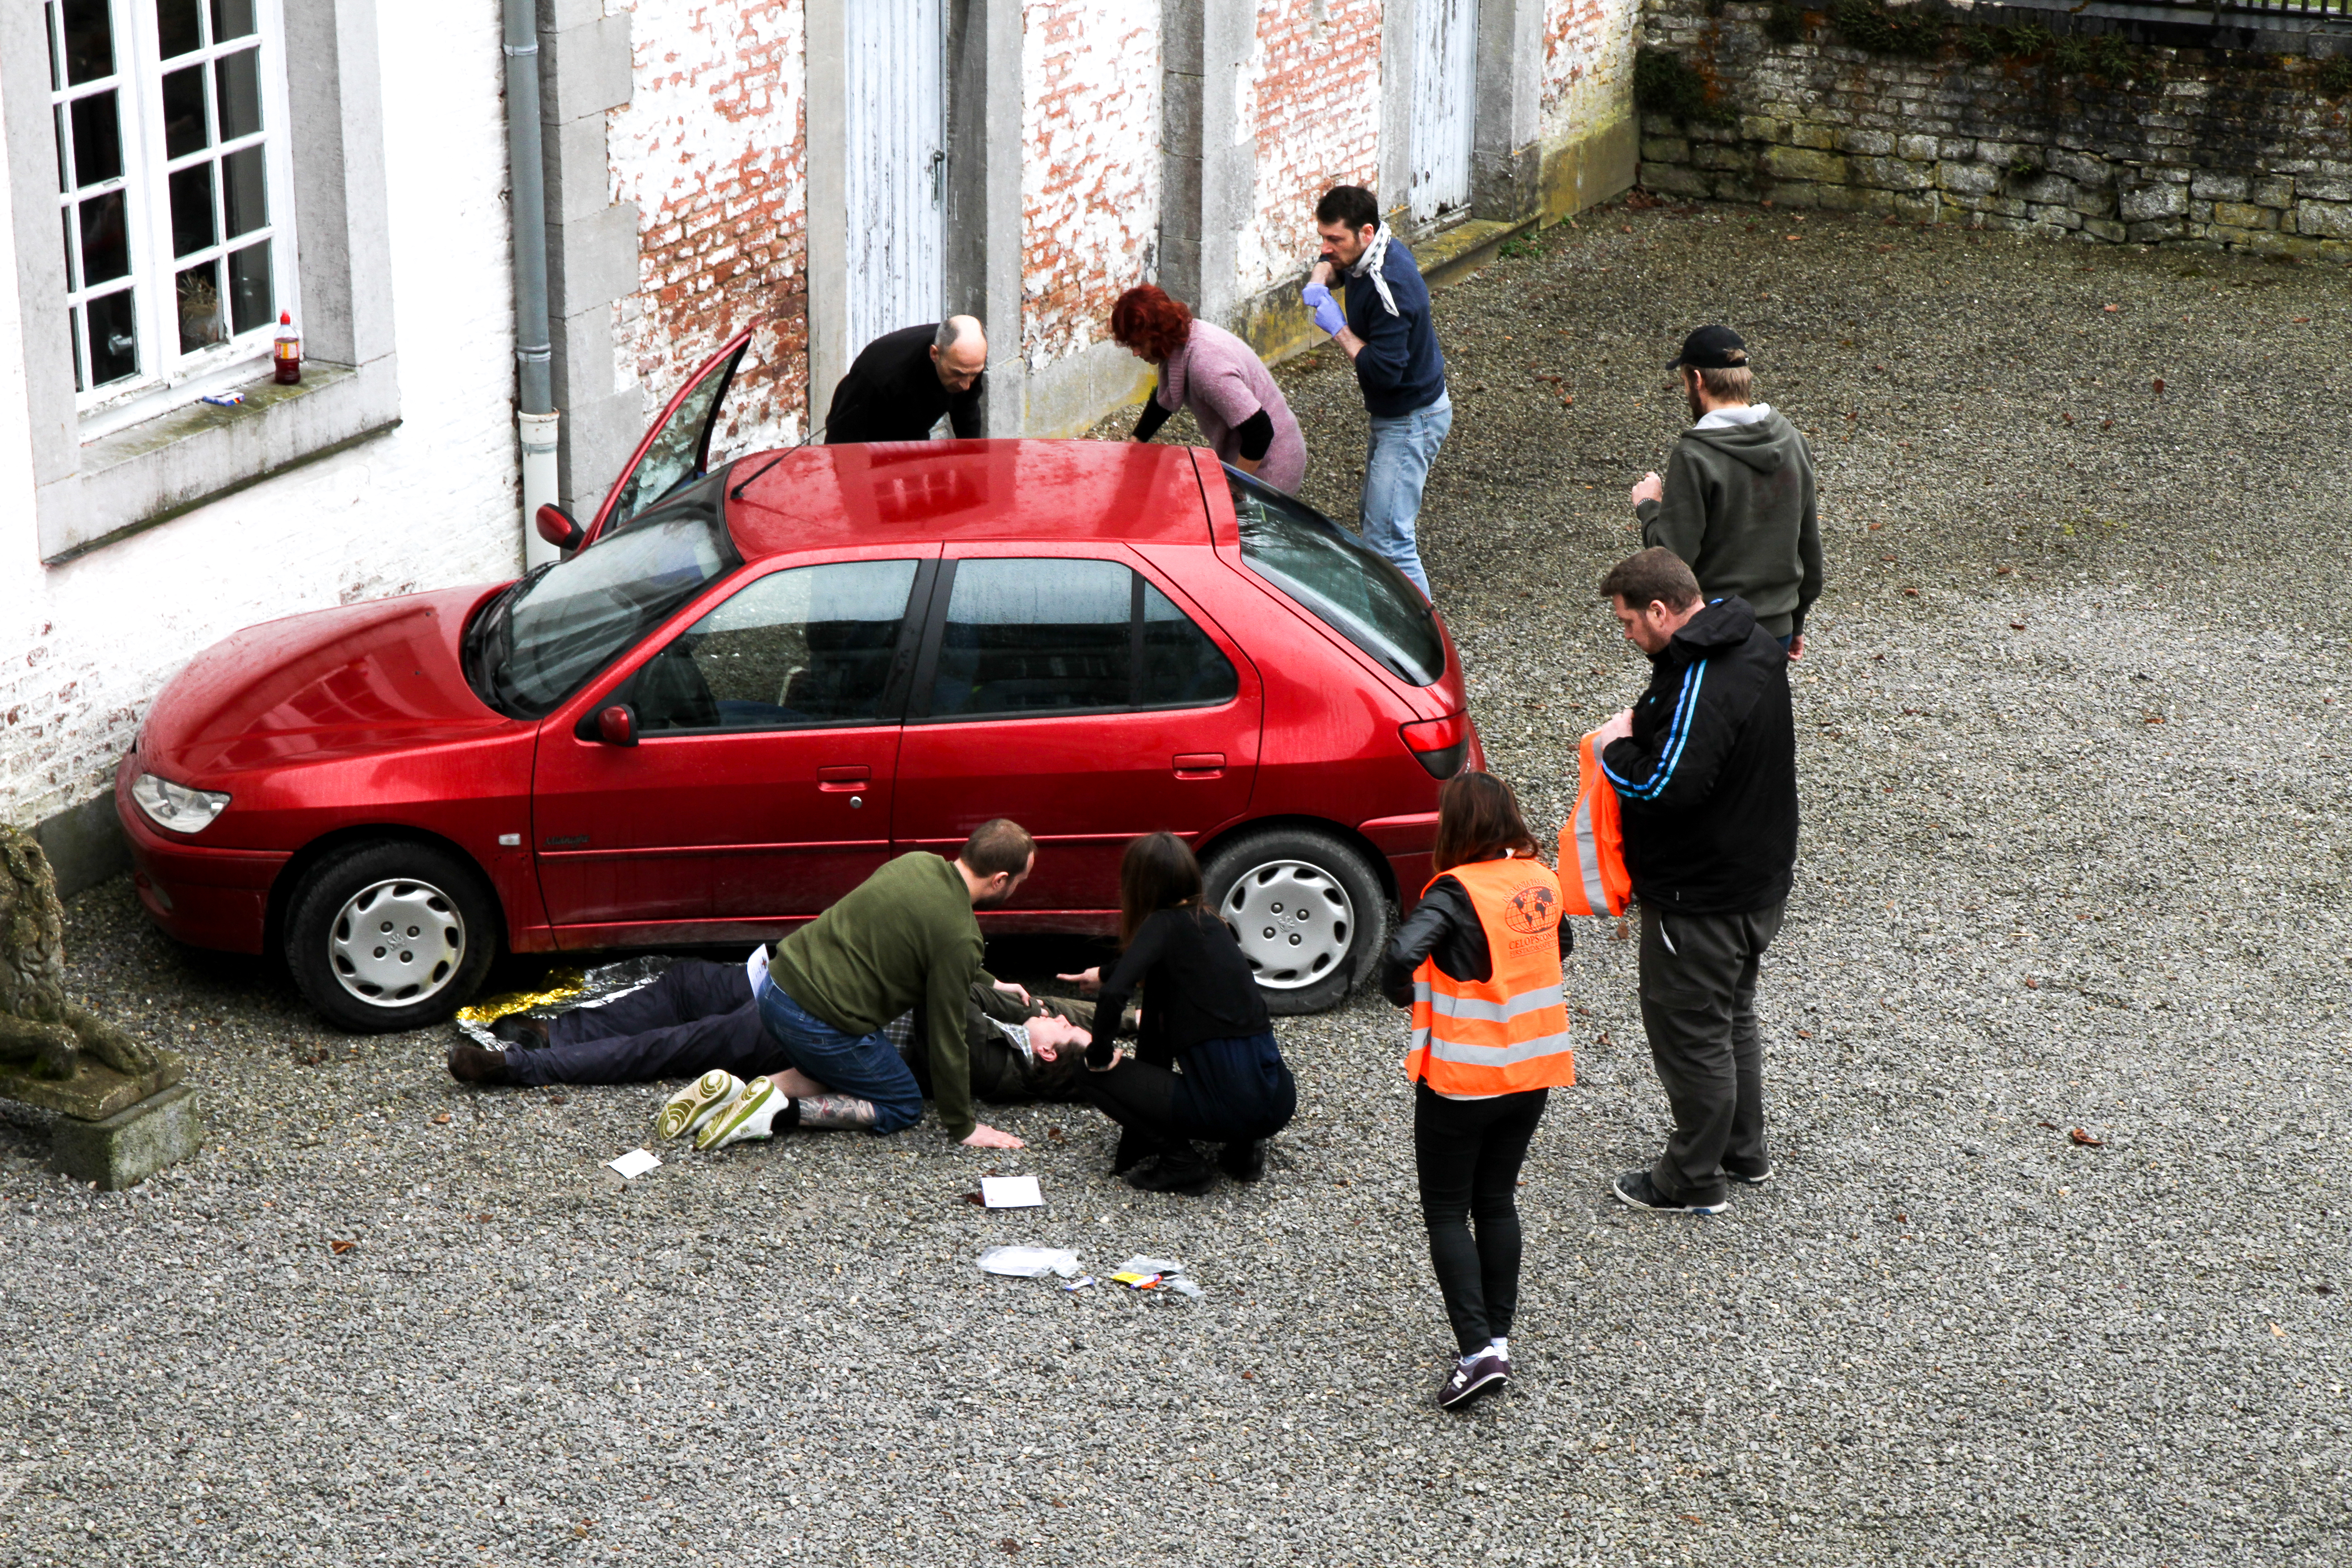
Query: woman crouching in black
{"type": "Point", "coordinates": [1202, 1013]}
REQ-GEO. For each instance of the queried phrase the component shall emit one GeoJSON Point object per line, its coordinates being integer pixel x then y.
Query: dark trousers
{"type": "Point", "coordinates": [1231, 1091]}
{"type": "Point", "coordinates": [1468, 1152]}
{"type": "Point", "coordinates": [698, 1016]}
{"type": "Point", "coordinates": [1698, 1008]}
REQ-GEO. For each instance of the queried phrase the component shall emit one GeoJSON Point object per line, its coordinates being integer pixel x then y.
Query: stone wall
{"type": "Point", "coordinates": [2186, 146]}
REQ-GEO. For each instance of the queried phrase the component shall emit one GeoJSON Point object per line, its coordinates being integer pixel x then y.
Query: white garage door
{"type": "Point", "coordinates": [1444, 65]}
{"type": "Point", "coordinates": [896, 139]}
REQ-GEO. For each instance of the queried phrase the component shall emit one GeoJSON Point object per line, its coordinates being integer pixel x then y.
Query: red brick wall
{"type": "Point", "coordinates": [1315, 108]}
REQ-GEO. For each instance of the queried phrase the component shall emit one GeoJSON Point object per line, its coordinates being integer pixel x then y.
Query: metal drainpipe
{"type": "Point", "coordinates": [535, 415]}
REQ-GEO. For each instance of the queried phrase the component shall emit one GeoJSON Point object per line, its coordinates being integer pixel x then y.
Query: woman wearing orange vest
{"type": "Point", "coordinates": [1479, 960]}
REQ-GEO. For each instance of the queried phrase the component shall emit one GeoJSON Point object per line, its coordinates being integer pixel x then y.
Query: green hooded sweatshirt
{"type": "Point", "coordinates": [1740, 510]}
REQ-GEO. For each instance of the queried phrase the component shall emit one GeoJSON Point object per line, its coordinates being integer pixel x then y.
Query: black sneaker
{"type": "Point", "coordinates": [1177, 1173]}
{"type": "Point", "coordinates": [1464, 1384]}
{"type": "Point", "coordinates": [1750, 1178]}
{"type": "Point", "coordinates": [524, 1034]}
{"type": "Point", "coordinates": [470, 1063]}
{"type": "Point", "coordinates": [1635, 1190]}
{"type": "Point", "coordinates": [1243, 1162]}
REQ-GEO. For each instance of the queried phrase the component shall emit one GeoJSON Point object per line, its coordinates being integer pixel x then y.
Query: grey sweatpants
{"type": "Point", "coordinates": [1698, 1008]}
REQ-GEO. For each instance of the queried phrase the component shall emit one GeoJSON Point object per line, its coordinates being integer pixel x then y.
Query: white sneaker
{"type": "Point", "coordinates": [692, 1106]}
{"type": "Point", "coordinates": [748, 1116]}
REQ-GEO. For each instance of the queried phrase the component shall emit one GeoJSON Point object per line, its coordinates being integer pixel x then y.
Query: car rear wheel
{"type": "Point", "coordinates": [1308, 910]}
{"type": "Point", "coordinates": [388, 936]}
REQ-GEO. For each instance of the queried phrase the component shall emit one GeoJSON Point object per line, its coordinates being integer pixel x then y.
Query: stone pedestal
{"type": "Point", "coordinates": [113, 1129]}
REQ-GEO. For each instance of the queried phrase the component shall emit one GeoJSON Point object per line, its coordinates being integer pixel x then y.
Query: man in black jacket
{"type": "Point", "coordinates": [903, 380]}
{"type": "Point", "coordinates": [1704, 766]}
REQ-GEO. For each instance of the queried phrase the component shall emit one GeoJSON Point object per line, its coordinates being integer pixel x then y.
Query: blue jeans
{"type": "Point", "coordinates": [867, 1066]}
{"type": "Point", "coordinates": [1396, 465]}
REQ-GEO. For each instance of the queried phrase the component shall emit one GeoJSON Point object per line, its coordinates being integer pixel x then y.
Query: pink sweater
{"type": "Point", "coordinates": [1224, 383]}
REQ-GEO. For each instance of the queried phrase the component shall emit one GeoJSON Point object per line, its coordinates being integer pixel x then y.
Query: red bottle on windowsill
{"type": "Point", "coordinates": [287, 358]}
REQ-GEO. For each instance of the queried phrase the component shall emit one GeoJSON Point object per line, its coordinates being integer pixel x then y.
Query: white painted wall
{"type": "Point", "coordinates": [86, 644]}
{"type": "Point", "coordinates": [1587, 66]}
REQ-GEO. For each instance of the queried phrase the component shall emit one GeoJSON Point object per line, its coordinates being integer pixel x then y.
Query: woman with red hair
{"type": "Point", "coordinates": [1207, 369]}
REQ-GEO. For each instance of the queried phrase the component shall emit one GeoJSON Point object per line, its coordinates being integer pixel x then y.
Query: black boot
{"type": "Point", "coordinates": [470, 1063]}
{"type": "Point", "coordinates": [1134, 1149]}
{"type": "Point", "coordinates": [1180, 1170]}
{"type": "Point", "coordinates": [1244, 1160]}
{"type": "Point", "coordinates": [525, 1033]}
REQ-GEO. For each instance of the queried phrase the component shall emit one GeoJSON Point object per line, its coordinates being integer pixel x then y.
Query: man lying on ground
{"type": "Point", "coordinates": [905, 938]}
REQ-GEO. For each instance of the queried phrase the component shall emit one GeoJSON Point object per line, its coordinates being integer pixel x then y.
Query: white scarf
{"type": "Point", "coordinates": [1370, 263]}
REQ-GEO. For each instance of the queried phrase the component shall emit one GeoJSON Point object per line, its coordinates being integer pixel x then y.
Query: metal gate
{"type": "Point", "coordinates": [897, 177]}
{"type": "Point", "coordinates": [1444, 77]}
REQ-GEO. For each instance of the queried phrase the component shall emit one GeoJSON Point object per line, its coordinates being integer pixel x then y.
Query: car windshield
{"type": "Point", "coordinates": [535, 645]}
{"type": "Point", "coordinates": [1344, 585]}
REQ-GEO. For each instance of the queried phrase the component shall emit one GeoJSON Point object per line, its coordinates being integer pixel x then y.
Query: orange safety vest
{"type": "Point", "coordinates": [1591, 843]}
{"type": "Point", "coordinates": [1509, 1032]}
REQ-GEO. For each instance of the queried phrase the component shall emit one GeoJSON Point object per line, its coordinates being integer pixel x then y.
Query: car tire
{"type": "Point", "coordinates": [437, 928]}
{"type": "Point", "coordinates": [1309, 911]}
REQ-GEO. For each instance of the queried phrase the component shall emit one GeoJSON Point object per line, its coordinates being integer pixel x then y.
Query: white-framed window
{"type": "Point", "coordinates": [174, 192]}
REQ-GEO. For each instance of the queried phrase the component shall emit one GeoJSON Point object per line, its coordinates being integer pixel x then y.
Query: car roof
{"type": "Point", "coordinates": [952, 491]}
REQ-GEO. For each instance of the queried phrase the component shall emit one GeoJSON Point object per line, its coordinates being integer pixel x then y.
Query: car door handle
{"type": "Point", "coordinates": [1199, 764]}
{"type": "Point", "coordinates": [848, 776]}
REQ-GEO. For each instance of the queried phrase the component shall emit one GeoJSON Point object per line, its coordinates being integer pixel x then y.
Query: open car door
{"type": "Point", "coordinates": [676, 450]}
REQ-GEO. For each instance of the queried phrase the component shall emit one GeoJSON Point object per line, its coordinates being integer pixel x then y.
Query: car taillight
{"type": "Point", "coordinates": [1441, 744]}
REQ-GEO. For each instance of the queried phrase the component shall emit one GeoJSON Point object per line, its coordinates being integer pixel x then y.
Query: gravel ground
{"type": "Point", "coordinates": [2072, 739]}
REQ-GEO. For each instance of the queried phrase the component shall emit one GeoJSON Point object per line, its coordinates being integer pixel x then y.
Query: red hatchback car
{"type": "Point", "coordinates": [749, 685]}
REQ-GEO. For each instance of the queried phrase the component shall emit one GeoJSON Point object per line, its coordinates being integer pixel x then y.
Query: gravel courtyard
{"type": "Point", "coordinates": [2060, 1072]}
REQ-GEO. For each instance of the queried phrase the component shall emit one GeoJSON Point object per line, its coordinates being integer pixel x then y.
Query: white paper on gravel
{"type": "Point", "coordinates": [635, 1163]}
{"type": "Point", "coordinates": [1029, 1262]}
{"type": "Point", "coordinates": [1011, 1193]}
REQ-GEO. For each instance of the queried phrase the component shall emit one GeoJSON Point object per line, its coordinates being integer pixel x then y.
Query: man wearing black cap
{"type": "Point", "coordinates": [1736, 501]}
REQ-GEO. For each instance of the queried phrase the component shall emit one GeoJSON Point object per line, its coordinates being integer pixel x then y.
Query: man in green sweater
{"type": "Point", "coordinates": [905, 938]}
{"type": "Point", "coordinates": [1736, 501]}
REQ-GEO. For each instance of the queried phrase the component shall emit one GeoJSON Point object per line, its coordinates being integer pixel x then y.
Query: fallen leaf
{"type": "Point", "coordinates": [2067, 417]}
{"type": "Point", "coordinates": [2086, 1139]}
{"type": "Point", "coordinates": [2106, 423]}
{"type": "Point", "coordinates": [340, 1248]}
{"type": "Point", "coordinates": [2052, 1125]}
{"type": "Point", "coordinates": [1910, 592]}
{"type": "Point", "coordinates": [2033, 985]}
{"type": "Point", "coordinates": [1876, 526]}
{"type": "Point", "coordinates": [1247, 1375]}
{"type": "Point", "coordinates": [1010, 1546]}
{"type": "Point", "coordinates": [2159, 386]}
{"type": "Point", "coordinates": [975, 1200]}
{"type": "Point", "coordinates": [1902, 1218]}
{"type": "Point", "coordinates": [1054, 1133]}
{"type": "Point", "coordinates": [2017, 626]}
{"type": "Point", "coordinates": [442, 1119]}
{"type": "Point", "coordinates": [2153, 718]}
{"type": "Point", "coordinates": [1795, 236]}
{"type": "Point", "coordinates": [2278, 1331]}
{"type": "Point", "coordinates": [1885, 248]}
{"type": "Point", "coordinates": [2111, 309]}
{"type": "Point", "coordinates": [2324, 1289]}
{"type": "Point", "coordinates": [2302, 320]}
{"type": "Point", "coordinates": [1804, 1033]}
{"type": "Point", "coordinates": [1692, 1517]}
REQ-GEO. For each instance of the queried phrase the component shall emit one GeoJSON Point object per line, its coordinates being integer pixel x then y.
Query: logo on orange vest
{"type": "Point", "coordinates": [1531, 910]}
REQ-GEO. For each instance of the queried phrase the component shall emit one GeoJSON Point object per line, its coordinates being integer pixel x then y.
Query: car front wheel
{"type": "Point", "coordinates": [1308, 910]}
{"type": "Point", "coordinates": [389, 936]}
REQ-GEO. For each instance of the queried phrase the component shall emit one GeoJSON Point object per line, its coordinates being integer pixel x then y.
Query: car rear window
{"type": "Point", "coordinates": [1339, 581]}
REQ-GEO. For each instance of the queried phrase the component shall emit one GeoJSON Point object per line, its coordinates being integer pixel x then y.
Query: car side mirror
{"type": "Point", "coordinates": [556, 527]}
{"type": "Point", "coordinates": [617, 725]}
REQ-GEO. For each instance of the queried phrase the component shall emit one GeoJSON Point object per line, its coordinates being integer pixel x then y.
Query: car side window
{"type": "Point", "coordinates": [1027, 637]}
{"type": "Point", "coordinates": [1181, 668]}
{"type": "Point", "coordinates": [1057, 635]}
{"type": "Point", "coordinates": [806, 647]}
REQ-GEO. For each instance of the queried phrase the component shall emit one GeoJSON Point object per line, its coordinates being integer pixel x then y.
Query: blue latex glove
{"type": "Point", "coordinates": [1327, 314]}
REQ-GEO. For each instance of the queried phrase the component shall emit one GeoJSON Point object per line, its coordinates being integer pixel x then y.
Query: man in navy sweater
{"type": "Point", "coordinates": [1386, 331]}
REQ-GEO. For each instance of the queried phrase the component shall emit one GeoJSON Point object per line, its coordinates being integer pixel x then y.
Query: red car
{"type": "Point", "coordinates": [746, 686]}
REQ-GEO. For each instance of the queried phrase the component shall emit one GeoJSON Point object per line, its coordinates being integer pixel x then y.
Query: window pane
{"type": "Point", "coordinates": [73, 273]}
{"type": "Point", "coordinates": [670, 460]}
{"type": "Point", "coordinates": [1180, 665]}
{"type": "Point", "coordinates": [240, 94]}
{"type": "Point", "coordinates": [184, 111]}
{"type": "Point", "coordinates": [807, 646]}
{"type": "Point", "coordinates": [1337, 579]}
{"type": "Point", "coordinates": [200, 322]}
{"type": "Point", "coordinates": [90, 41]}
{"type": "Point", "coordinates": [113, 339]}
{"type": "Point", "coordinates": [105, 246]}
{"type": "Point", "coordinates": [231, 19]}
{"type": "Point", "coordinates": [179, 25]}
{"type": "Point", "coordinates": [1035, 635]}
{"type": "Point", "coordinates": [97, 139]}
{"type": "Point", "coordinates": [191, 209]}
{"type": "Point", "coordinates": [250, 304]}
{"type": "Point", "coordinates": [244, 200]}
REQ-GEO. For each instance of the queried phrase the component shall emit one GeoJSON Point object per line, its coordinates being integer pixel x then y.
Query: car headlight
{"type": "Point", "coordinates": [176, 806]}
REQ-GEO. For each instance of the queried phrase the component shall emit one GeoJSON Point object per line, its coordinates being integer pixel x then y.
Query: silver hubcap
{"type": "Point", "coordinates": [396, 942]}
{"type": "Point", "coordinates": [1295, 922]}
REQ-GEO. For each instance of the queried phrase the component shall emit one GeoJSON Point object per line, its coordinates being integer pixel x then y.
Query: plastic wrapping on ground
{"type": "Point", "coordinates": [1029, 1262]}
{"type": "Point", "coordinates": [566, 989]}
